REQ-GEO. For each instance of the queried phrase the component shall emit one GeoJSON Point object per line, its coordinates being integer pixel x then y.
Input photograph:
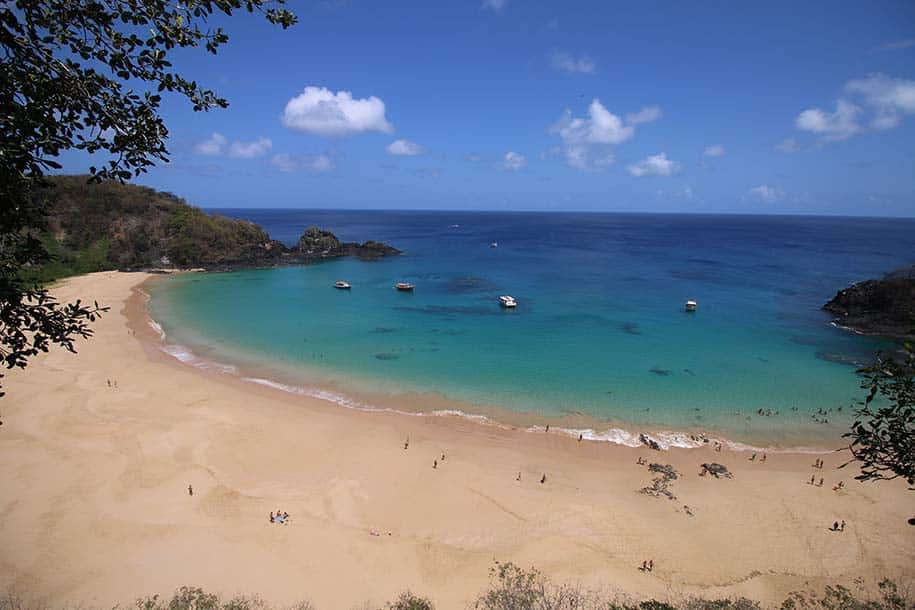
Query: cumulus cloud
{"type": "Point", "coordinates": [655, 165]}
{"type": "Point", "coordinates": [766, 194]}
{"type": "Point", "coordinates": [249, 150]}
{"type": "Point", "coordinates": [296, 163]}
{"type": "Point", "coordinates": [569, 63]}
{"type": "Point", "coordinates": [217, 145]}
{"type": "Point", "coordinates": [319, 111]}
{"type": "Point", "coordinates": [839, 125]}
{"type": "Point", "coordinates": [715, 150]}
{"type": "Point", "coordinates": [648, 114]}
{"type": "Point", "coordinates": [513, 161]}
{"type": "Point", "coordinates": [599, 130]}
{"type": "Point", "coordinates": [885, 99]}
{"type": "Point", "coordinates": [212, 146]}
{"type": "Point", "coordinates": [891, 98]}
{"type": "Point", "coordinates": [494, 5]}
{"type": "Point", "coordinates": [405, 148]}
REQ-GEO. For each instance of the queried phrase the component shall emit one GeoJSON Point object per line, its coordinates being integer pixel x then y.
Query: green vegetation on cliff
{"type": "Point", "coordinates": [109, 225]}
{"type": "Point", "coordinates": [96, 227]}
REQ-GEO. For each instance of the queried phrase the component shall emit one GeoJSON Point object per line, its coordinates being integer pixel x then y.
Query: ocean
{"type": "Point", "coordinates": [599, 343]}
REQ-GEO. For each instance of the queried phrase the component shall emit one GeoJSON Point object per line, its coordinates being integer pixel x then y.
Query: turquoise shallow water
{"type": "Point", "coordinates": [600, 327]}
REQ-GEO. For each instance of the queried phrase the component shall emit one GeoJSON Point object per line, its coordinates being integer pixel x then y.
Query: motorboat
{"type": "Point", "coordinates": [690, 306]}
{"type": "Point", "coordinates": [494, 244]}
{"type": "Point", "coordinates": [508, 301]}
{"type": "Point", "coordinates": [342, 285]}
{"type": "Point", "coordinates": [404, 286]}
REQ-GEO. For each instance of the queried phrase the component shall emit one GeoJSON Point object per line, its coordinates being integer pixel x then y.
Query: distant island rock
{"type": "Point", "coordinates": [882, 307]}
{"type": "Point", "coordinates": [316, 242]}
{"type": "Point", "coordinates": [98, 227]}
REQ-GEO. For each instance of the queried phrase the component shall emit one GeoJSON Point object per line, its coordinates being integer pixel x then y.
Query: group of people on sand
{"type": "Point", "coordinates": [647, 566]}
{"type": "Point", "coordinates": [112, 384]}
{"type": "Point", "coordinates": [818, 463]}
{"type": "Point", "coordinates": [837, 527]}
{"type": "Point", "coordinates": [813, 481]}
{"type": "Point", "coordinates": [279, 517]}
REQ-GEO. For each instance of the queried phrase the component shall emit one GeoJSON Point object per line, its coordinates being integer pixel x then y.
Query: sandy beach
{"type": "Point", "coordinates": [95, 509]}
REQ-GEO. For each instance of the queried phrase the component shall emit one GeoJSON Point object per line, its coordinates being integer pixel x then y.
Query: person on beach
{"type": "Point", "coordinates": [580, 437]}
{"type": "Point", "coordinates": [434, 464]}
{"type": "Point", "coordinates": [190, 490]}
{"type": "Point", "coordinates": [763, 458]}
{"type": "Point", "coordinates": [650, 565]}
{"type": "Point", "coordinates": [271, 517]}
{"type": "Point", "coordinates": [820, 484]}
{"type": "Point", "coordinates": [406, 444]}
{"type": "Point", "coordinates": [547, 427]}
{"type": "Point", "coordinates": [543, 479]}
{"type": "Point", "coordinates": [842, 526]}
{"type": "Point", "coordinates": [443, 457]}
{"type": "Point", "coordinates": [753, 458]}
{"type": "Point", "coordinates": [813, 480]}
{"type": "Point", "coordinates": [835, 526]}
{"type": "Point", "coordinates": [518, 478]}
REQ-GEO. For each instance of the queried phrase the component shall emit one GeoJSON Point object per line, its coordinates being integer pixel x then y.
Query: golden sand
{"type": "Point", "coordinates": [94, 503]}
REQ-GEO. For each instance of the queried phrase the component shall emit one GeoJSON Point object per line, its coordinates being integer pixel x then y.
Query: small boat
{"type": "Point", "coordinates": [404, 286]}
{"type": "Point", "coordinates": [494, 244]}
{"type": "Point", "coordinates": [342, 285]}
{"type": "Point", "coordinates": [690, 306]}
{"type": "Point", "coordinates": [507, 301]}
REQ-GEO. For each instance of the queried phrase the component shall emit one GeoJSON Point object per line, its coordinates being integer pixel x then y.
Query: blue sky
{"type": "Point", "coordinates": [795, 107]}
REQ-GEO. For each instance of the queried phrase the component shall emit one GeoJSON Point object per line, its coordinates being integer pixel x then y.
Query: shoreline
{"type": "Point", "coordinates": [591, 428]}
{"type": "Point", "coordinates": [95, 508]}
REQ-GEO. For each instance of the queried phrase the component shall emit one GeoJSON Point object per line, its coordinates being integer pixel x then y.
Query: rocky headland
{"type": "Point", "coordinates": [98, 227]}
{"type": "Point", "coordinates": [882, 307]}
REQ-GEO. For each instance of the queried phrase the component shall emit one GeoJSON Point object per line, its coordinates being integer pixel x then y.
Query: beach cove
{"type": "Point", "coordinates": [98, 478]}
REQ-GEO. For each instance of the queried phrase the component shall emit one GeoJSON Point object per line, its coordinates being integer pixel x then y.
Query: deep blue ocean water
{"type": "Point", "coordinates": [600, 327]}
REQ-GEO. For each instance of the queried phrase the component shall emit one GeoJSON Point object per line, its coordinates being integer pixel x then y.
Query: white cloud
{"type": "Point", "coordinates": [648, 114]}
{"type": "Point", "coordinates": [212, 146]}
{"type": "Point", "coordinates": [839, 125]}
{"type": "Point", "coordinates": [766, 194]}
{"type": "Point", "coordinates": [715, 150]}
{"type": "Point", "coordinates": [494, 5]}
{"type": "Point", "coordinates": [887, 100]}
{"type": "Point", "coordinates": [295, 163]}
{"type": "Point", "coordinates": [249, 150]}
{"type": "Point", "coordinates": [788, 145]}
{"type": "Point", "coordinates": [891, 98]}
{"type": "Point", "coordinates": [568, 63]}
{"type": "Point", "coordinates": [217, 144]}
{"type": "Point", "coordinates": [319, 111]}
{"type": "Point", "coordinates": [513, 161]}
{"type": "Point", "coordinates": [655, 165]}
{"type": "Point", "coordinates": [405, 148]}
{"type": "Point", "coordinates": [600, 129]}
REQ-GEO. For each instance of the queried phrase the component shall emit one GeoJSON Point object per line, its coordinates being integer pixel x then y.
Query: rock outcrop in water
{"type": "Point", "coordinates": [884, 307]}
{"type": "Point", "coordinates": [317, 243]}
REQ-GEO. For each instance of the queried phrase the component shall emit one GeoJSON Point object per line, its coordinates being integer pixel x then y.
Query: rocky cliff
{"type": "Point", "coordinates": [883, 307]}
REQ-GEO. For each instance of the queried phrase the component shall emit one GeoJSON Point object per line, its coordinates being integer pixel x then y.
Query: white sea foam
{"type": "Point", "coordinates": [183, 354]}
{"type": "Point", "coordinates": [156, 327]}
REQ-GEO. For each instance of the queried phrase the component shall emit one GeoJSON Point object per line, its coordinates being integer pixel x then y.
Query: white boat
{"type": "Point", "coordinates": [404, 286]}
{"type": "Point", "coordinates": [690, 306]}
{"type": "Point", "coordinates": [507, 301]}
{"type": "Point", "coordinates": [494, 244]}
{"type": "Point", "coordinates": [342, 285]}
